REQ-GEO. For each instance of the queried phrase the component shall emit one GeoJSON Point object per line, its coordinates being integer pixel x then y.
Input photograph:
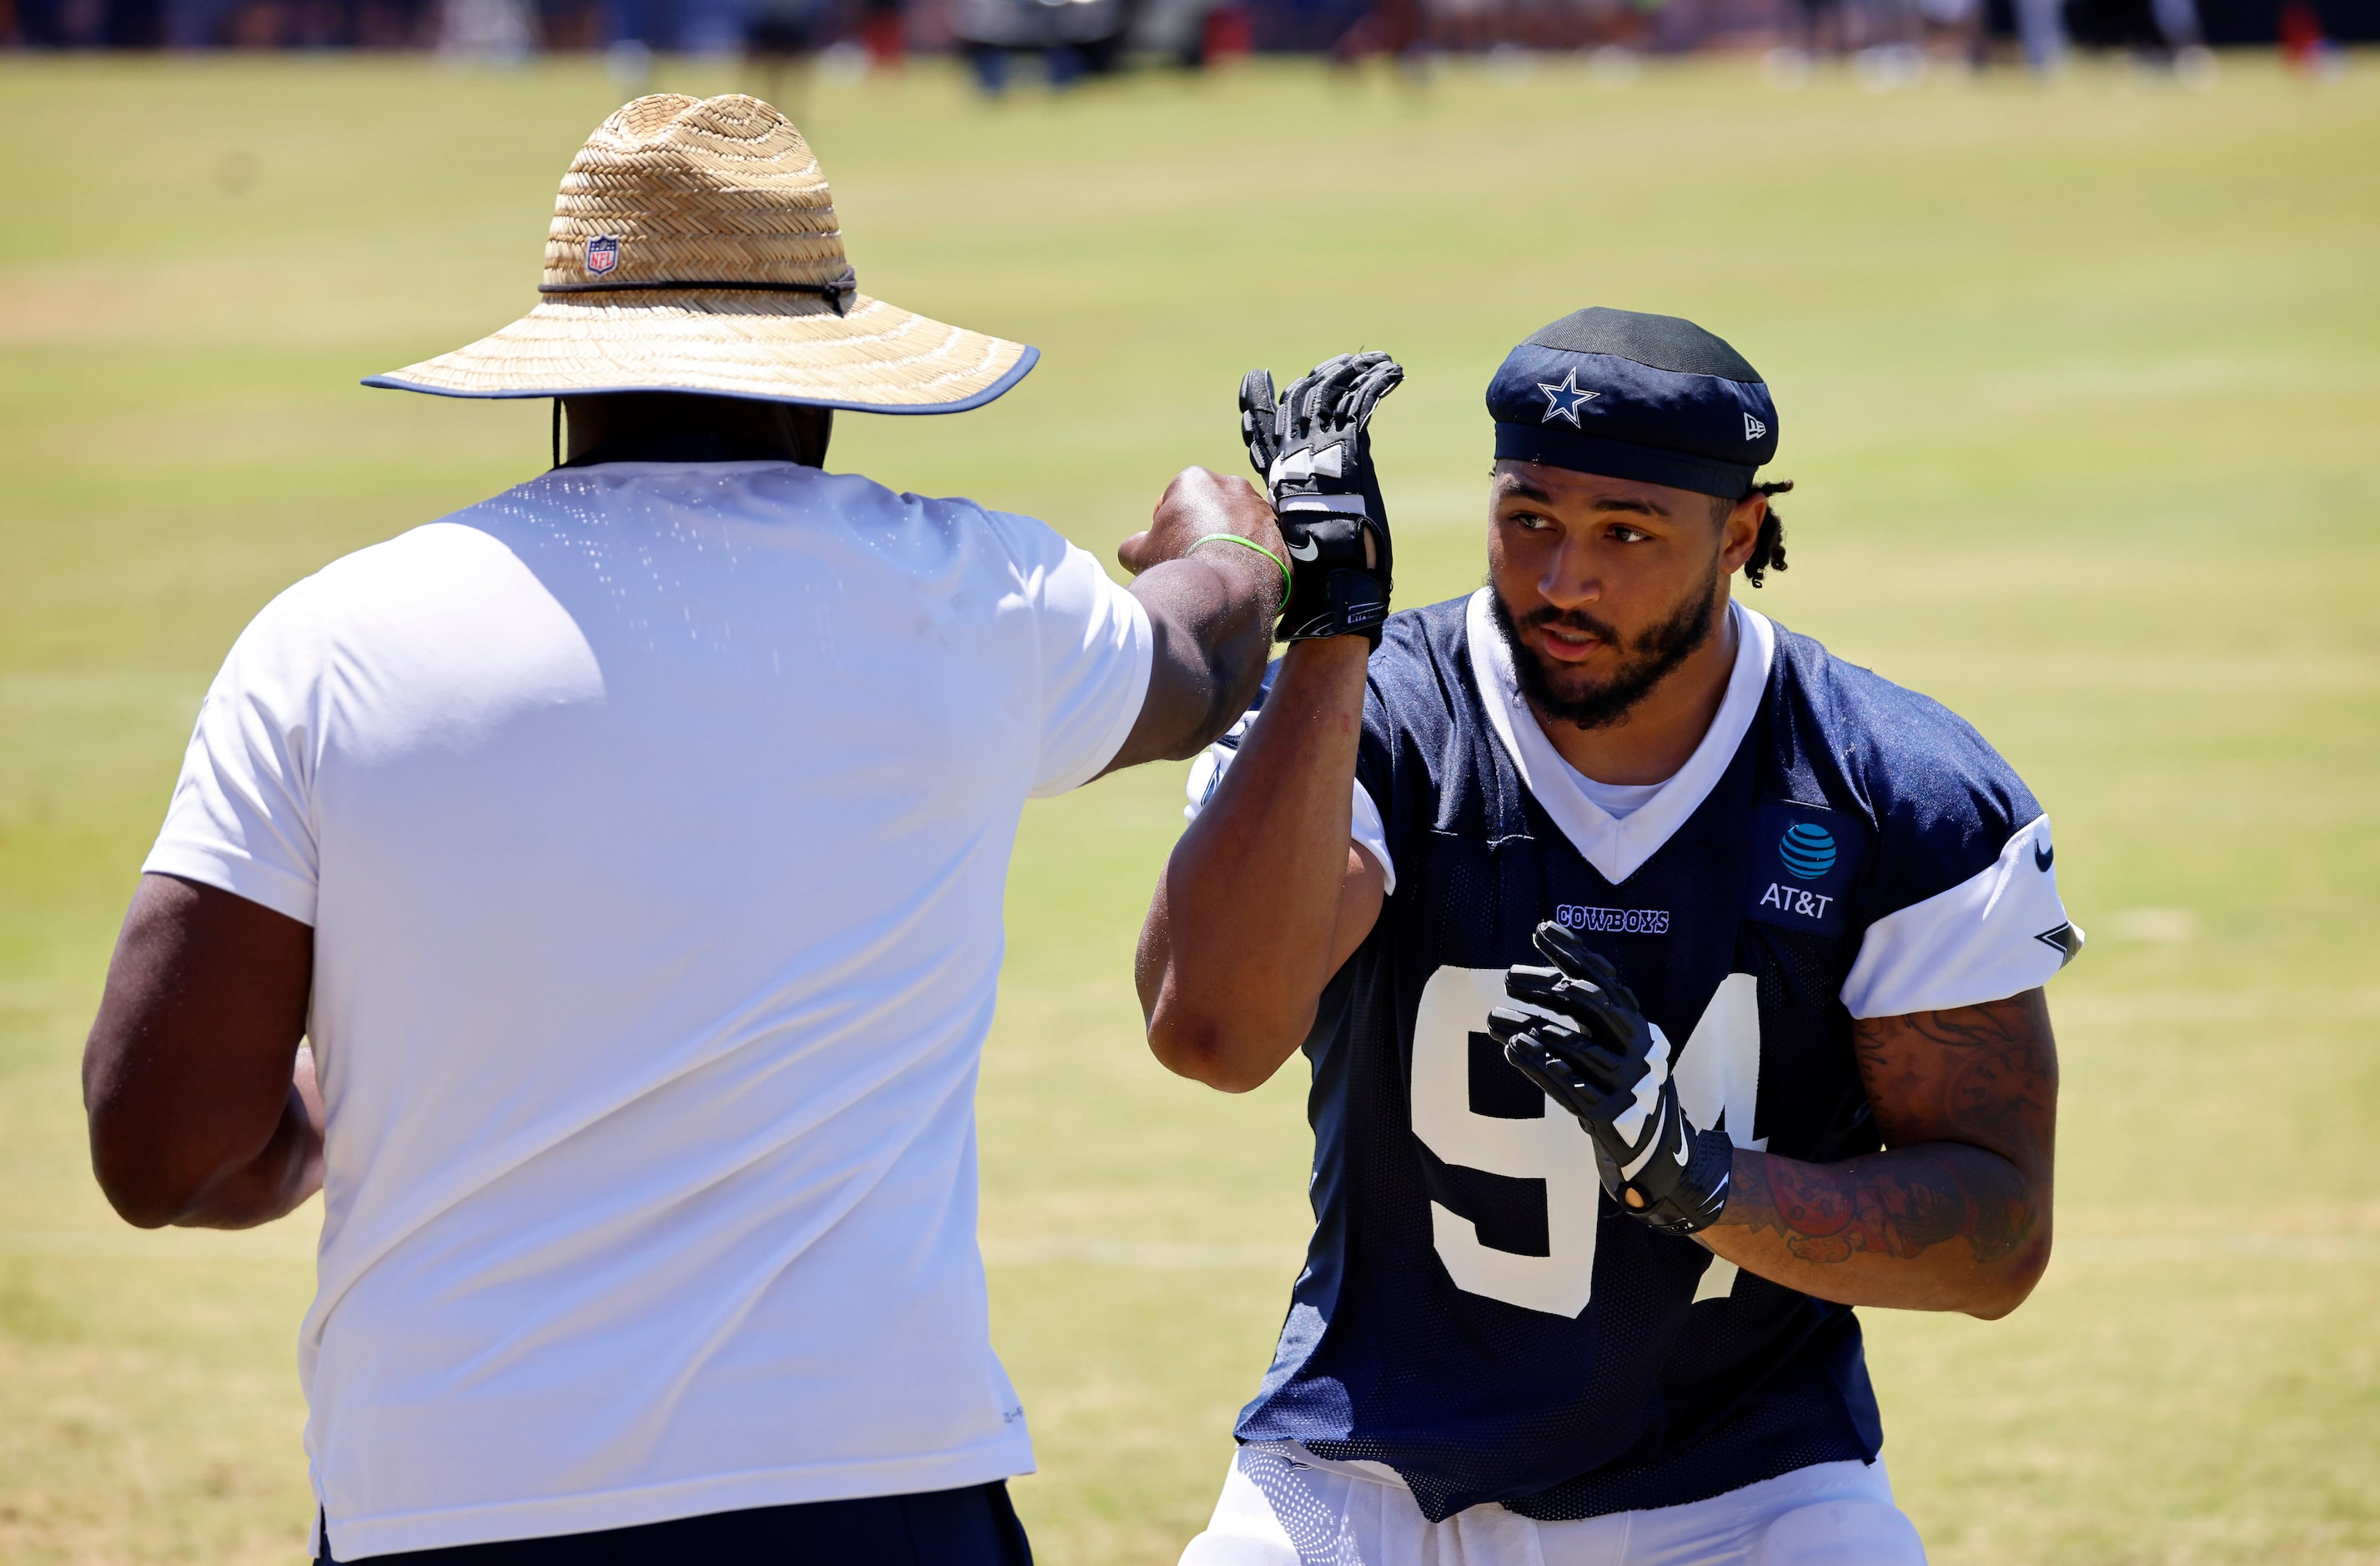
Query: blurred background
{"type": "Point", "coordinates": [2078, 358]}
{"type": "Point", "coordinates": [1065, 41]}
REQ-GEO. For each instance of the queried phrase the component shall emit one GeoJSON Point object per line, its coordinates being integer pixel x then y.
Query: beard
{"type": "Point", "coordinates": [1572, 697]}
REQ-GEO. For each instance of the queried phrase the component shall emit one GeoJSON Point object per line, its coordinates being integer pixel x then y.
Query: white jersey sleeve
{"type": "Point", "coordinates": [1998, 933]}
{"type": "Point", "coordinates": [242, 816]}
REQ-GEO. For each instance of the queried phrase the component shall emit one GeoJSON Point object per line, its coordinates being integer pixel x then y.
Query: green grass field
{"type": "Point", "coordinates": [2082, 385]}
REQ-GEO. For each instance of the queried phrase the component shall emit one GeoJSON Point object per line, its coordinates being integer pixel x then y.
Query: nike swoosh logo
{"type": "Point", "coordinates": [1310, 552]}
{"type": "Point", "coordinates": [2041, 856]}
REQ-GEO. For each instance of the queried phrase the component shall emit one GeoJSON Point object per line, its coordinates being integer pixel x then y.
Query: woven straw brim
{"type": "Point", "coordinates": [775, 346]}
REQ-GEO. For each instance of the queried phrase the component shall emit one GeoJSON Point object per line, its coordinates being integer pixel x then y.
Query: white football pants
{"type": "Point", "coordinates": [1277, 1512]}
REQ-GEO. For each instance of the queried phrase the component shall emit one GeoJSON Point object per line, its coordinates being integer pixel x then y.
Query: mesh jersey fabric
{"type": "Point", "coordinates": [1472, 1315]}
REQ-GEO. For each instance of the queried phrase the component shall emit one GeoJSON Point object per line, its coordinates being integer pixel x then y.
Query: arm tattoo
{"type": "Point", "coordinates": [1967, 1101]}
{"type": "Point", "coordinates": [1986, 1076]}
{"type": "Point", "coordinates": [1895, 1205]}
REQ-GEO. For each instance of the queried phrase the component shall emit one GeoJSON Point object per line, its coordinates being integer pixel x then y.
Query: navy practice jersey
{"type": "Point", "coordinates": [1474, 1312]}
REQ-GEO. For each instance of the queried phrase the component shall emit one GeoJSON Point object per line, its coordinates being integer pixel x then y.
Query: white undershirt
{"type": "Point", "coordinates": [1618, 801]}
{"type": "Point", "coordinates": [1615, 842]}
{"type": "Point", "coordinates": [653, 822]}
{"type": "Point", "coordinates": [1616, 826]}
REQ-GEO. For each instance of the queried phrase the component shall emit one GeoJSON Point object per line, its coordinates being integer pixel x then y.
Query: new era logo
{"type": "Point", "coordinates": [1752, 428]}
{"type": "Point", "coordinates": [603, 254]}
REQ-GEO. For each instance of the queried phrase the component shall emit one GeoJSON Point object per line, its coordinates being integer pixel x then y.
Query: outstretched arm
{"type": "Point", "coordinates": [1955, 1213]}
{"type": "Point", "coordinates": [1265, 896]}
{"type": "Point", "coordinates": [1210, 612]}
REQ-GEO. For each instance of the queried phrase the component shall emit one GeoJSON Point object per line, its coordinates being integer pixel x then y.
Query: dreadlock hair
{"type": "Point", "coordinates": [1769, 548]}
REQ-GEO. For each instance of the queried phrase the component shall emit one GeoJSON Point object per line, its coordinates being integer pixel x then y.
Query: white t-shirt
{"type": "Point", "coordinates": [652, 820]}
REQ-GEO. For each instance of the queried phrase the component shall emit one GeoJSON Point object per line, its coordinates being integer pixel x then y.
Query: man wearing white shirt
{"type": "Point", "coordinates": [630, 848]}
{"type": "Point", "coordinates": [1588, 1234]}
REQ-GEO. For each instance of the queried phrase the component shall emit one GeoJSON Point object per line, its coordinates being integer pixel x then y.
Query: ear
{"type": "Point", "coordinates": [1740, 530]}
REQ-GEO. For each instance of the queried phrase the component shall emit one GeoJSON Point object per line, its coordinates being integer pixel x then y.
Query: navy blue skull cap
{"type": "Point", "coordinates": [1650, 397]}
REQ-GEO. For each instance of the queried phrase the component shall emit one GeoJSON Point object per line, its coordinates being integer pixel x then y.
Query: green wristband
{"type": "Point", "coordinates": [1248, 543]}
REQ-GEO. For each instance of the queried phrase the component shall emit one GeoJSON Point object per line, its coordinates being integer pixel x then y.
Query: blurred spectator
{"type": "Point", "coordinates": [2176, 23]}
{"type": "Point", "coordinates": [1073, 37]}
{"type": "Point", "coordinates": [1395, 28]}
{"type": "Point", "coordinates": [2304, 44]}
{"type": "Point", "coordinates": [33, 24]}
{"type": "Point", "coordinates": [487, 30]}
{"type": "Point", "coordinates": [1302, 26]}
{"type": "Point", "coordinates": [1952, 28]}
{"type": "Point", "coordinates": [84, 24]}
{"type": "Point", "coordinates": [2041, 27]}
{"type": "Point", "coordinates": [2164, 31]}
{"type": "Point", "coordinates": [1823, 26]}
{"type": "Point", "coordinates": [134, 24]}
{"type": "Point", "coordinates": [1225, 34]}
{"type": "Point", "coordinates": [885, 32]}
{"type": "Point", "coordinates": [572, 24]}
{"type": "Point", "coordinates": [781, 39]}
{"type": "Point", "coordinates": [651, 23]}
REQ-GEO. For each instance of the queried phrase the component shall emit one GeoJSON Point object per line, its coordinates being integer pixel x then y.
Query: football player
{"type": "Point", "coordinates": [1670, 987]}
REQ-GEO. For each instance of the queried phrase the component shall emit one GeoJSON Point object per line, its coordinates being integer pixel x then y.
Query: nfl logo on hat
{"type": "Point", "coordinates": [603, 254]}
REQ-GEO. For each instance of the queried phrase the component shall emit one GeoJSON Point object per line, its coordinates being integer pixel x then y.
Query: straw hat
{"type": "Point", "coordinates": [694, 249]}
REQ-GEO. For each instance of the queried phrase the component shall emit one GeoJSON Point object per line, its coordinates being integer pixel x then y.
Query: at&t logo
{"type": "Point", "coordinates": [1794, 899]}
{"type": "Point", "coordinates": [1808, 851]}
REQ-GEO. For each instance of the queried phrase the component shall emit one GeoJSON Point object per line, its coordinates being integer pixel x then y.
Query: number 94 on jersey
{"type": "Point", "coordinates": [1718, 1082]}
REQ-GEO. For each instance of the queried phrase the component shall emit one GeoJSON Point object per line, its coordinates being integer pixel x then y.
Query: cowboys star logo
{"type": "Point", "coordinates": [1565, 400]}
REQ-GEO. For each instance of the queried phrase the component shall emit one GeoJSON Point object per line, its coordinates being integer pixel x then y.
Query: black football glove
{"type": "Point", "coordinates": [1576, 1031]}
{"type": "Point", "coordinates": [1315, 451]}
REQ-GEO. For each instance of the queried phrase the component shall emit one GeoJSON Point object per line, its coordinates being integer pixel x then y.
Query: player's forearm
{"type": "Point", "coordinates": [201, 1105]}
{"type": "Point", "coordinates": [1938, 1226]}
{"type": "Point", "coordinates": [158, 1168]}
{"type": "Point", "coordinates": [1210, 611]}
{"type": "Point", "coordinates": [269, 1185]}
{"type": "Point", "coordinates": [1241, 935]}
{"type": "Point", "coordinates": [1210, 620]}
